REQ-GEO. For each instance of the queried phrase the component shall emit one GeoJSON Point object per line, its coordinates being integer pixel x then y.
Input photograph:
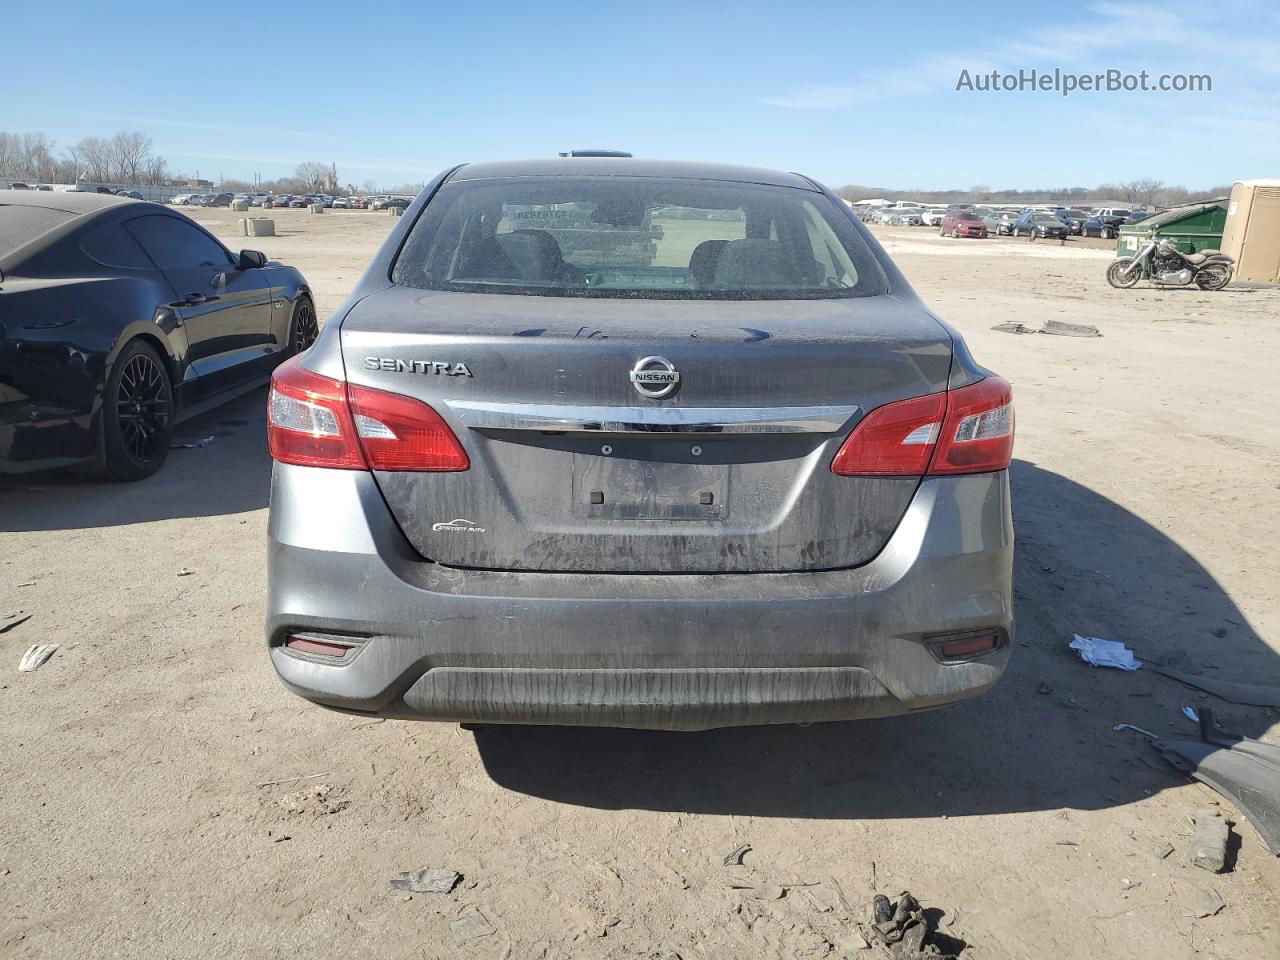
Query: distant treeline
{"type": "Point", "coordinates": [1144, 193]}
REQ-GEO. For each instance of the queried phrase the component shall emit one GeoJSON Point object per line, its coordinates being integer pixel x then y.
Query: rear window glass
{"type": "Point", "coordinates": [112, 246]}
{"type": "Point", "coordinates": [636, 237]}
{"type": "Point", "coordinates": [20, 224]}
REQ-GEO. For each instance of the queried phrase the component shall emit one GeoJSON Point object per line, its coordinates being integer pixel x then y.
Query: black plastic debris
{"type": "Point", "coordinates": [430, 880]}
{"type": "Point", "coordinates": [1197, 901]}
{"type": "Point", "coordinates": [1245, 771]}
{"type": "Point", "coordinates": [1247, 694]}
{"type": "Point", "coordinates": [734, 857]}
{"type": "Point", "coordinates": [472, 924]}
{"type": "Point", "coordinates": [1209, 840]}
{"type": "Point", "coordinates": [904, 932]}
{"type": "Point", "coordinates": [10, 620]}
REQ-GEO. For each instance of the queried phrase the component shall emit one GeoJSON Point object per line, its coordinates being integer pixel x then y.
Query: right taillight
{"type": "Point", "coordinates": [969, 430]}
{"type": "Point", "coordinates": [316, 421]}
{"type": "Point", "coordinates": [977, 436]}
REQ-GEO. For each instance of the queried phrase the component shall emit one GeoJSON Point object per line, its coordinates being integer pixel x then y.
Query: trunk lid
{"type": "Point", "coordinates": [575, 469]}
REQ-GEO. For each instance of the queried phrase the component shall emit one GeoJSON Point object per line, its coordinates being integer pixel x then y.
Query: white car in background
{"type": "Point", "coordinates": [932, 216]}
{"type": "Point", "coordinates": [341, 203]}
{"type": "Point", "coordinates": [183, 199]}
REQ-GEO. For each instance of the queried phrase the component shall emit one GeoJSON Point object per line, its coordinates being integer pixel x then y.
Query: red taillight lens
{"type": "Point", "coordinates": [894, 440]}
{"type": "Point", "coordinates": [315, 421]}
{"type": "Point", "coordinates": [978, 434]}
{"type": "Point", "coordinates": [969, 430]}
{"type": "Point", "coordinates": [400, 433]}
{"type": "Point", "coordinates": [309, 422]}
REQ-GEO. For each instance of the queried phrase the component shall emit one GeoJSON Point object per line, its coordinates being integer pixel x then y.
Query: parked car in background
{"type": "Point", "coordinates": [1000, 222]}
{"type": "Point", "coordinates": [880, 584]}
{"type": "Point", "coordinates": [962, 222]}
{"type": "Point", "coordinates": [908, 217]}
{"type": "Point", "coordinates": [1074, 219]}
{"type": "Point", "coordinates": [358, 203]}
{"type": "Point", "coordinates": [300, 202]}
{"type": "Point", "coordinates": [99, 357]}
{"type": "Point", "coordinates": [182, 199]}
{"type": "Point", "coordinates": [1138, 216]}
{"type": "Point", "coordinates": [341, 203]}
{"type": "Point", "coordinates": [386, 202]}
{"type": "Point", "coordinates": [131, 194]}
{"type": "Point", "coordinates": [282, 201]}
{"type": "Point", "coordinates": [932, 216]}
{"type": "Point", "coordinates": [1038, 224]}
{"type": "Point", "coordinates": [1106, 227]}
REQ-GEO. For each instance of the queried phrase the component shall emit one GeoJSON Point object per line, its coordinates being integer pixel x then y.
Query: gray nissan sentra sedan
{"type": "Point", "coordinates": [610, 441]}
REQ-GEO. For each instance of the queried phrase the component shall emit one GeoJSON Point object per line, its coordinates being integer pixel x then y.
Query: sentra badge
{"type": "Point", "coordinates": [447, 368]}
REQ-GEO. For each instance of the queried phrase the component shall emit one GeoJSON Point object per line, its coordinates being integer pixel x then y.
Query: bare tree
{"type": "Point", "coordinates": [27, 156]}
{"type": "Point", "coordinates": [312, 174]}
{"type": "Point", "coordinates": [1142, 191]}
{"type": "Point", "coordinates": [94, 157]}
{"type": "Point", "coordinates": [155, 171]}
{"type": "Point", "coordinates": [130, 151]}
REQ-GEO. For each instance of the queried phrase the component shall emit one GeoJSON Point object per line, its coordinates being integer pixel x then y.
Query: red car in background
{"type": "Point", "coordinates": [962, 223]}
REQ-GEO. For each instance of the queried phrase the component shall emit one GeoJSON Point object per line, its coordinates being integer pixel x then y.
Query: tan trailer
{"type": "Point", "coordinates": [1252, 231]}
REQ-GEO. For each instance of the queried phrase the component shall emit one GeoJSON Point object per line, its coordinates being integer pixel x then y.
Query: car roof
{"type": "Point", "coordinates": [628, 167]}
{"type": "Point", "coordinates": [65, 200]}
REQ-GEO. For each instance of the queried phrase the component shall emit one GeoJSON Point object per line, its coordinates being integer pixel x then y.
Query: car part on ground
{"type": "Point", "coordinates": [1245, 771]}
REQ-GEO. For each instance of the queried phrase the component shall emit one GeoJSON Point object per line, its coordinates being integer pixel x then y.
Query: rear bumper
{"type": "Point", "coordinates": [33, 437]}
{"type": "Point", "coordinates": [682, 651]}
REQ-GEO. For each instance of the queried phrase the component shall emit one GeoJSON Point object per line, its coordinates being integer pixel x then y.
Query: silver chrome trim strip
{"type": "Point", "coordinates": [480, 415]}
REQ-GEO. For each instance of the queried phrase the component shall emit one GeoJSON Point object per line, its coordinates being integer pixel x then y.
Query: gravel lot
{"type": "Point", "coordinates": [161, 795]}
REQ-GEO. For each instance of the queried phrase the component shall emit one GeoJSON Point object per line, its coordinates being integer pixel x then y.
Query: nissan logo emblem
{"type": "Point", "coordinates": [655, 377]}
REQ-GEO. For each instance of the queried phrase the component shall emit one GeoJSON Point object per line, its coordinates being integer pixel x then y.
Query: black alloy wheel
{"type": "Point", "coordinates": [304, 328]}
{"type": "Point", "coordinates": [137, 419]}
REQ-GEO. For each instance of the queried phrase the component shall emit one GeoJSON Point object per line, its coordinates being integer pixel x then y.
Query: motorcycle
{"type": "Point", "coordinates": [1164, 264]}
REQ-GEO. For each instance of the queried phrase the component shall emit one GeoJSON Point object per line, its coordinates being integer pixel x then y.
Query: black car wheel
{"type": "Point", "coordinates": [304, 327]}
{"type": "Point", "coordinates": [137, 414]}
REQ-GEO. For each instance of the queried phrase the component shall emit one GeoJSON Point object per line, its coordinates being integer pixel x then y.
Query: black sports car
{"type": "Point", "coordinates": [119, 318]}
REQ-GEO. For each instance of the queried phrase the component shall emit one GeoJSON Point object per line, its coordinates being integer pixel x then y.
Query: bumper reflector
{"type": "Point", "coordinates": [319, 645]}
{"type": "Point", "coordinates": [950, 648]}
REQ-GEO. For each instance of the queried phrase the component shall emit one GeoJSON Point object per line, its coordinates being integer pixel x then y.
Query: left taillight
{"type": "Point", "coordinates": [316, 421]}
{"type": "Point", "coordinates": [969, 430]}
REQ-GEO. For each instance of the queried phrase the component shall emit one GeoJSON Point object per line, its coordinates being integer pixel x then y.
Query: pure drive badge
{"type": "Point", "coordinates": [440, 367]}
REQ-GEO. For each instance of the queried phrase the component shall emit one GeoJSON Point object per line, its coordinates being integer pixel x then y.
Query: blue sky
{"type": "Point", "coordinates": [846, 92]}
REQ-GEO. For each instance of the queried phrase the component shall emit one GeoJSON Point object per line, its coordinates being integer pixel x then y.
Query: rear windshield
{"type": "Point", "coordinates": [20, 224]}
{"type": "Point", "coordinates": [637, 237]}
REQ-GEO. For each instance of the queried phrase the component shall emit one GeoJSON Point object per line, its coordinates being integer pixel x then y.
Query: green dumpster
{"type": "Point", "coordinates": [1192, 228]}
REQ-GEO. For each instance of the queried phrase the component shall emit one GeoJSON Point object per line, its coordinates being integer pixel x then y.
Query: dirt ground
{"type": "Point", "coordinates": [162, 795]}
